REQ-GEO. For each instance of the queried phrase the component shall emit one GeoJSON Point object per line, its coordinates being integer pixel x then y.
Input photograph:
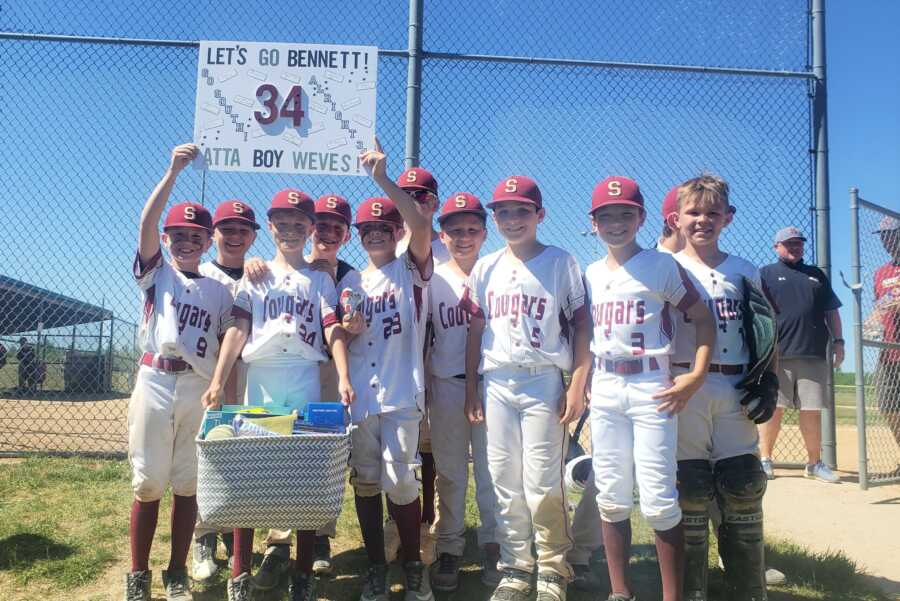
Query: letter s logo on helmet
{"type": "Point", "coordinates": [331, 202]}
{"type": "Point", "coordinates": [512, 184]}
{"type": "Point", "coordinates": [238, 207]}
{"type": "Point", "coordinates": [293, 198]}
{"type": "Point", "coordinates": [377, 209]}
{"type": "Point", "coordinates": [189, 213]}
{"type": "Point", "coordinates": [614, 188]}
{"type": "Point", "coordinates": [460, 201]}
{"type": "Point", "coordinates": [410, 176]}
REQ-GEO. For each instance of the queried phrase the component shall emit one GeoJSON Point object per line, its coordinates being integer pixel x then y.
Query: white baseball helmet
{"type": "Point", "coordinates": [577, 473]}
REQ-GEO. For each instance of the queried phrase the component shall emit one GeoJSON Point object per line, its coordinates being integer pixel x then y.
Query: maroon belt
{"type": "Point", "coordinates": [717, 368]}
{"type": "Point", "coordinates": [628, 367]}
{"type": "Point", "coordinates": [170, 364]}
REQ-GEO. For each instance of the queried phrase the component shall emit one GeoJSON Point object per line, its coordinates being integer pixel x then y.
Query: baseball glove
{"type": "Point", "coordinates": [761, 335]}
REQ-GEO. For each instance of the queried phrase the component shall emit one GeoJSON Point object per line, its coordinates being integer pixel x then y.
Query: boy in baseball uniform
{"type": "Point", "coordinates": [280, 325]}
{"type": "Point", "coordinates": [718, 455]}
{"type": "Point", "coordinates": [462, 221]}
{"type": "Point", "coordinates": [234, 231]}
{"type": "Point", "coordinates": [528, 312]}
{"type": "Point", "coordinates": [184, 315]}
{"type": "Point", "coordinates": [387, 370]}
{"type": "Point", "coordinates": [633, 293]}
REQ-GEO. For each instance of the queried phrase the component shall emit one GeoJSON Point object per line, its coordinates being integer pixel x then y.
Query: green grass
{"type": "Point", "coordinates": [64, 529]}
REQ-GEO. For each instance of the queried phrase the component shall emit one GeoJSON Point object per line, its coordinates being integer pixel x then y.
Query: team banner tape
{"type": "Point", "coordinates": [290, 108]}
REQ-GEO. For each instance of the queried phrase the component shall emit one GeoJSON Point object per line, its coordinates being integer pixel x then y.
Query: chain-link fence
{"type": "Point", "coordinates": [567, 94]}
{"type": "Point", "coordinates": [875, 240]}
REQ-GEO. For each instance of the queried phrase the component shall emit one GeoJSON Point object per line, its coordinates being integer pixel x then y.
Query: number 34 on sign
{"type": "Point", "coordinates": [290, 108]}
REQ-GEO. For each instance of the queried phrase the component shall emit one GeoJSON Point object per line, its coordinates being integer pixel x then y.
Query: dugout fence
{"type": "Point", "coordinates": [474, 91]}
{"type": "Point", "coordinates": [875, 272]}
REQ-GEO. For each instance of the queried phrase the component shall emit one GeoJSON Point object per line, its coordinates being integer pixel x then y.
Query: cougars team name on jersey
{"type": "Point", "coordinates": [183, 316]}
{"type": "Point", "coordinates": [449, 322]}
{"type": "Point", "coordinates": [386, 363]}
{"type": "Point", "coordinates": [209, 270]}
{"type": "Point", "coordinates": [721, 288]}
{"type": "Point", "coordinates": [289, 312]}
{"type": "Point", "coordinates": [631, 307]}
{"type": "Point", "coordinates": [526, 306]}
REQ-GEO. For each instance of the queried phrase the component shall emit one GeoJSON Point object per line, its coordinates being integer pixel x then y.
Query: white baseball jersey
{"type": "Point", "coordinates": [289, 312]}
{"type": "Point", "coordinates": [185, 315]}
{"type": "Point", "coordinates": [386, 363]}
{"type": "Point", "coordinates": [449, 322]}
{"type": "Point", "coordinates": [632, 306]}
{"type": "Point", "coordinates": [721, 288]}
{"type": "Point", "coordinates": [439, 251]}
{"type": "Point", "coordinates": [527, 307]}
{"type": "Point", "coordinates": [211, 270]}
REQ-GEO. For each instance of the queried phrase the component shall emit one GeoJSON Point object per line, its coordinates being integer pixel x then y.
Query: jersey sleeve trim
{"type": "Point", "coordinates": [329, 320]}
{"type": "Point", "coordinates": [141, 269]}
{"type": "Point", "coordinates": [468, 304]}
{"type": "Point", "coordinates": [241, 313]}
{"type": "Point", "coordinates": [690, 295]}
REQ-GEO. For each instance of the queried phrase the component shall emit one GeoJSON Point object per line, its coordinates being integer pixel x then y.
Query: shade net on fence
{"type": "Point", "coordinates": [879, 248]}
{"type": "Point", "coordinates": [76, 177]}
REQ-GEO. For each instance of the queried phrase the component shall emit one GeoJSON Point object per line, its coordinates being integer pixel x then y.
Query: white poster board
{"type": "Point", "coordinates": [290, 108]}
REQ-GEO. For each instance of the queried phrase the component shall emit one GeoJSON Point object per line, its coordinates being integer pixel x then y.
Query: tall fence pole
{"type": "Point", "coordinates": [860, 377]}
{"type": "Point", "coordinates": [414, 83]}
{"type": "Point", "coordinates": [823, 203]}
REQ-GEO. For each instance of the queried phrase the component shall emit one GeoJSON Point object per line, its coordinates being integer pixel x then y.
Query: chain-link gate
{"type": "Point", "coordinates": [875, 263]}
{"type": "Point", "coordinates": [709, 88]}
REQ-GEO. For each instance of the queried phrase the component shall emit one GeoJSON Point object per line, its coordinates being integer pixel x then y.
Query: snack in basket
{"type": "Point", "coordinates": [245, 426]}
{"type": "Point", "coordinates": [220, 432]}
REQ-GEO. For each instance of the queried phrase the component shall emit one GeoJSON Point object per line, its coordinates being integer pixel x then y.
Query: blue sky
{"type": "Point", "coordinates": [77, 171]}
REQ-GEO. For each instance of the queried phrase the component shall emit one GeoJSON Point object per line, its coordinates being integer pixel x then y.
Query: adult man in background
{"type": "Point", "coordinates": [28, 366]}
{"type": "Point", "coordinates": [807, 315]}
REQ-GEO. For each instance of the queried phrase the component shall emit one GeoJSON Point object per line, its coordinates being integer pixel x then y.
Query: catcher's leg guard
{"type": "Point", "coordinates": [740, 485]}
{"type": "Point", "coordinates": [696, 489]}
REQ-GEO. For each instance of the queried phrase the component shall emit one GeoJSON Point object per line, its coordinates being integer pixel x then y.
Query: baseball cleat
{"type": "Point", "coordinates": [275, 563]}
{"type": "Point", "coordinates": [767, 468]}
{"type": "Point", "coordinates": [585, 579]}
{"type": "Point", "coordinates": [551, 587]}
{"type": "Point", "coordinates": [240, 588]}
{"type": "Point", "coordinates": [322, 559]}
{"type": "Point", "coordinates": [821, 472]}
{"type": "Point", "coordinates": [204, 558]}
{"type": "Point", "coordinates": [418, 585]}
{"type": "Point", "coordinates": [619, 597]}
{"type": "Point", "coordinates": [177, 586]}
{"type": "Point", "coordinates": [445, 573]}
{"type": "Point", "coordinates": [515, 585]}
{"type": "Point", "coordinates": [137, 585]}
{"type": "Point", "coordinates": [302, 587]}
{"type": "Point", "coordinates": [375, 588]}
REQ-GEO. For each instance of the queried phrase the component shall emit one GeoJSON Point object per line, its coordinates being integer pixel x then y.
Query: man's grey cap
{"type": "Point", "coordinates": [786, 233]}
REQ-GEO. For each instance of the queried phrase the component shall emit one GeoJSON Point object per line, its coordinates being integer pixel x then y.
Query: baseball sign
{"type": "Point", "coordinates": [290, 108]}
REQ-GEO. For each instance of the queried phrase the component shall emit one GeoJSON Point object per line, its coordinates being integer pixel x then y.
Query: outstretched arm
{"type": "Point", "coordinates": [232, 345]}
{"type": "Point", "coordinates": [375, 163]}
{"type": "Point", "coordinates": [148, 240]}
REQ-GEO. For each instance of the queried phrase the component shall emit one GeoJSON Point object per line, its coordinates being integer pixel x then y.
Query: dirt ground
{"type": "Point", "coordinates": [840, 517]}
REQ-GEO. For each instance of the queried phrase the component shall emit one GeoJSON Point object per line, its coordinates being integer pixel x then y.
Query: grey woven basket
{"type": "Point", "coordinates": [285, 482]}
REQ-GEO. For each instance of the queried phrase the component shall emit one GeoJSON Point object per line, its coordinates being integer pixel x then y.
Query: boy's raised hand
{"type": "Point", "coordinates": [182, 155]}
{"type": "Point", "coordinates": [374, 161]}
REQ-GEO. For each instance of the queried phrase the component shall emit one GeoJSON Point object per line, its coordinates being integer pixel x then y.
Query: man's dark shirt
{"type": "Point", "coordinates": [803, 295]}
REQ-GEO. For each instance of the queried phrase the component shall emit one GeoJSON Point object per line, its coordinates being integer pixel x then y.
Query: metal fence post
{"type": "Point", "coordinates": [414, 84]}
{"type": "Point", "coordinates": [823, 204]}
{"type": "Point", "coordinates": [860, 379]}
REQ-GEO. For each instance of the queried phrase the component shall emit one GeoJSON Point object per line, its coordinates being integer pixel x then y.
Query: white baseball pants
{"type": "Point", "coordinates": [713, 426]}
{"type": "Point", "coordinates": [450, 441]}
{"type": "Point", "coordinates": [283, 383]}
{"type": "Point", "coordinates": [631, 438]}
{"type": "Point", "coordinates": [385, 455]}
{"type": "Point", "coordinates": [526, 449]}
{"type": "Point", "coordinates": [164, 416]}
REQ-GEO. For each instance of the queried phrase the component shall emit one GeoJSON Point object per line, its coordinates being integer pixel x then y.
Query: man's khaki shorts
{"type": "Point", "coordinates": [803, 384]}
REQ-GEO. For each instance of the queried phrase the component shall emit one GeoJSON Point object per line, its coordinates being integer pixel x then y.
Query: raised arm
{"type": "Point", "coordinates": [375, 163]}
{"type": "Point", "coordinates": [148, 238]}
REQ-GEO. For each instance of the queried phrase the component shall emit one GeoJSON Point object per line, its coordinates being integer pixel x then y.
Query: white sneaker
{"type": "Point", "coordinates": [820, 472]}
{"type": "Point", "coordinates": [775, 577]}
{"type": "Point", "coordinates": [204, 558]}
{"type": "Point", "coordinates": [767, 468]}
